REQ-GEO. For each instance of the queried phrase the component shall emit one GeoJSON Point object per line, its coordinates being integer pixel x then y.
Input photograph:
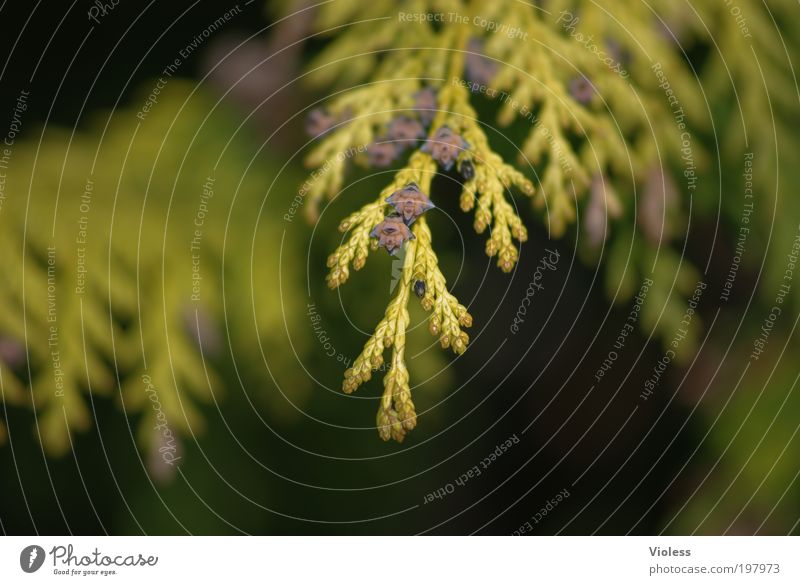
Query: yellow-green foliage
{"type": "Point", "coordinates": [614, 118]}
{"type": "Point", "coordinates": [143, 206]}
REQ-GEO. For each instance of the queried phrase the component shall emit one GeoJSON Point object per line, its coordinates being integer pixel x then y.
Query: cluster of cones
{"type": "Point", "coordinates": [408, 203]}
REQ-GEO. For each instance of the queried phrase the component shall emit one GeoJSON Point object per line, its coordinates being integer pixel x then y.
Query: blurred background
{"type": "Point", "coordinates": [152, 282]}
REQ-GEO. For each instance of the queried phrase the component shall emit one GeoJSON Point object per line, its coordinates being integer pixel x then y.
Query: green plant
{"type": "Point", "coordinates": [120, 239]}
{"type": "Point", "coordinates": [610, 106]}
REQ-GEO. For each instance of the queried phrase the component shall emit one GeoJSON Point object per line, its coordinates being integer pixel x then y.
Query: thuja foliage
{"type": "Point", "coordinates": [613, 111]}
{"type": "Point", "coordinates": [118, 240]}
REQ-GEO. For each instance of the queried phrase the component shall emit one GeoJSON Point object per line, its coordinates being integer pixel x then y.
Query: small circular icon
{"type": "Point", "coordinates": [31, 558]}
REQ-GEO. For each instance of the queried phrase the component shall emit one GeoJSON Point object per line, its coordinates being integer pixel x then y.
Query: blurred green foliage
{"type": "Point", "coordinates": [120, 240]}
